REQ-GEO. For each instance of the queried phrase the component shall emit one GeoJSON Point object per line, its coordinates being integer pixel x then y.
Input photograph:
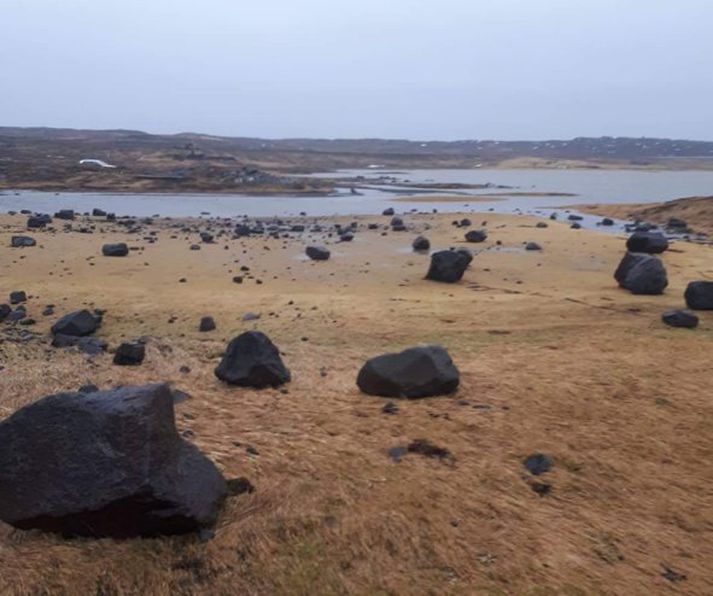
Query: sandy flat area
{"type": "Point", "coordinates": [554, 358]}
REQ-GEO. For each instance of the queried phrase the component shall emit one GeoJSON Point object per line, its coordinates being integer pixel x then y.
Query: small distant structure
{"type": "Point", "coordinates": [95, 164]}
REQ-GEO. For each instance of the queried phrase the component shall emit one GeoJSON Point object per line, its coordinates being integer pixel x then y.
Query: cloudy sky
{"type": "Point", "coordinates": [419, 69]}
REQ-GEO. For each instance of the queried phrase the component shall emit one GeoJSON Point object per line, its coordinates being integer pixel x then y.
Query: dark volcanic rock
{"type": "Point", "coordinates": [88, 345]}
{"type": "Point", "coordinates": [630, 259]}
{"type": "Point", "coordinates": [699, 295]}
{"type": "Point", "coordinates": [22, 241]}
{"type": "Point", "coordinates": [476, 236]}
{"type": "Point", "coordinates": [5, 310]}
{"type": "Point", "coordinates": [98, 212]}
{"type": "Point", "coordinates": [421, 243]}
{"type": "Point", "coordinates": [38, 221]}
{"type": "Point", "coordinates": [646, 277]}
{"type": "Point", "coordinates": [647, 242]}
{"type": "Point", "coordinates": [466, 252]}
{"type": "Point", "coordinates": [252, 360]}
{"type": "Point", "coordinates": [538, 463]}
{"type": "Point", "coordinates": [67, 214]}
{"type": "Point", "coordinates": [107, 463]}
{"type": "Point", "coordinates": [448, 266]}
{"type": "Point", "coordinates": [119, 249]}
{"type": "Point", "coordinates": [414, 373]}
{"type": "Point", "coordinates": [677, 224]}
{"type": "Point", "coordinates": [130, 354]}
{"type": "Point", "coordinates": [206, 324]}
{"type": "Point", "coordinates": [17, 297]}
{"type": "Point", "coordinates": [16, 315]}
{"type": "Point", "coordinates": [78, 323]}
{"type": "Point", "coordinates": [317, 253]}
{"type": "Point", "coordinates": [532, 246]}
{"type": "Point", "coordinates": [388, 211]}
{"type": "Point", "coordinates": [680, 318]}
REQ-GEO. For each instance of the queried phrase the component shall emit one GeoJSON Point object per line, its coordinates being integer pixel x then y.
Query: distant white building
{"type": "Point", "coordinates": [96, 163]}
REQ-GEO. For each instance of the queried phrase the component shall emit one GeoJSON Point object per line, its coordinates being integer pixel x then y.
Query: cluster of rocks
{"type": "Point", "coordinates": [643, 273]}
{"type": "Point", "coordinates": [639, 271]}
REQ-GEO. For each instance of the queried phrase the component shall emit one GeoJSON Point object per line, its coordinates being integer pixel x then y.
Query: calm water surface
{"type": "Point", "coordinates": [589, 185]}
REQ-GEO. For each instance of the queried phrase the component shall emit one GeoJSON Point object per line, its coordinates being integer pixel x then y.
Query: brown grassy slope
{"type": "Point", "coordinates": [697, 211]}
{"type": "Point", "coordinates": [554, 358]}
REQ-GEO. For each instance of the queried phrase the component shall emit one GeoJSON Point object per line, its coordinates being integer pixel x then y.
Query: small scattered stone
{"type": "Point", "coordinates": [240, 486]}
{"type": "Point", "coordinates": [207, 324]}
{"type": "Point", "coordinates": [680, 318]}
{"type": "Point", "coordinates": [538, 463]}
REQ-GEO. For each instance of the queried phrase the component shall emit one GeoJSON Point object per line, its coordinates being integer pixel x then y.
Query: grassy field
{"type": "Point", "coordinates": [554, 358]}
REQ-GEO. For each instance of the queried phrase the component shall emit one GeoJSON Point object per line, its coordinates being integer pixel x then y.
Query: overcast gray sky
{"type": "Point", "coordinates": [419, 69]}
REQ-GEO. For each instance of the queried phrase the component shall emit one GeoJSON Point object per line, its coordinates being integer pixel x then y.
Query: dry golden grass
{"type": "Point", "coordinates": [554, 358]}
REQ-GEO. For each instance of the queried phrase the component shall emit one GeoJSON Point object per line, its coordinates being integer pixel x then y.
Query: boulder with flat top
{"type": "Point", "coordinates": [424, 371]}
{"type": "Point", "coordinates": [105, 464]}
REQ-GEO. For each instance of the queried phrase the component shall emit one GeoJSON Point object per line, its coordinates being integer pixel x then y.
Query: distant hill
{"type": "Point", "coordinates": [579, 148]}
{"type": "Point", "coordinates": [49, 158]}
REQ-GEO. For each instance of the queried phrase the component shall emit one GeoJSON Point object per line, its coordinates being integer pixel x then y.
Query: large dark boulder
{"type": "Point", "coordinates": [651, 243]}
{"type": "Point", "coordinates": [120, 249]}
{"type": "Point", "coordinates": [67, 214]}
{"type": "Point", "coordinates": [646, 277]}
{"type": "Point", "coordinates": [414, 373]}
{"type": "Point", "coordinates": [699, 295]}
{"type": "Point", "coordinates": [421, 243]}
{"type": "Point", "coordinates": [476, 236]}
{"type": "Point", "coordinates": [317, 253]}
{"type": "Point", "coordinates": [130, 354]}
{"type": "Point", "coordinates": [680, 318]}
{"type": "Point", "coordinates": [38, 221]}
{"type": "Point", "coordinates": [106, 463]}
{"type": "Point", "coordinates": [78, 323]}
{"type": "Point", "coordinates": [22, 241]}
{"type": "Point", "coordinates": [448, 266]}
{"type": "Point", "coordinates": [5, 310]}
{"type": "Point", "coordinates": [252, 360]}
{"type": "Point", "coordinates": [630, 259]}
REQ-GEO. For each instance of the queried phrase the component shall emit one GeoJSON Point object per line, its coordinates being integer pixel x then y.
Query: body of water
{"type": "Point", "coordinates": [590, 186]}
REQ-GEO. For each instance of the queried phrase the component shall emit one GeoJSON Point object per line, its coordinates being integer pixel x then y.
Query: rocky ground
{"type": "Point", "coordinates": [697, 210]}
{"type": "Point", "coordinates": [554, 359]}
